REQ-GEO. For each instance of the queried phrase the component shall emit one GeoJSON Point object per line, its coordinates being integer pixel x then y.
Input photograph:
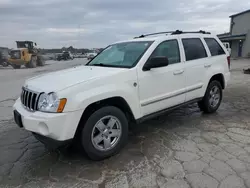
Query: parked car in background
{"type": "Point", "coordinates": [129, 82]}
{"type": "Point", "coordinates": [59, 57]}
{"type": "Point", "coordinates": [65, 55]}
{"type": "Point", "coordinates": [91, 56]}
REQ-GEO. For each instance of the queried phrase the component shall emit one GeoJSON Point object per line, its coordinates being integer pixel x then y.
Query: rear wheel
{"type": "Point", "coordinates": [32, 63]}
{"type": "Point", "coordinates": [104, 133]}
{"type": "Point", "coordinates": [212, 99]}
{"type": "Point", "coordinates": [5, 64]}
{"type": "Point", "coordinates": [16, 66]}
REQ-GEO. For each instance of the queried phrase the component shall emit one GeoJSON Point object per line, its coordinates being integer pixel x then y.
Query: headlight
{"type": "Point", "coordinates": [51, 103]}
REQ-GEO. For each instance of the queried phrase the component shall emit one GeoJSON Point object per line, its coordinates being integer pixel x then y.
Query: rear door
{"type": "Point", "coordinates": [195, 62]}
{"type": "Point", "coordinates": [218, 58]}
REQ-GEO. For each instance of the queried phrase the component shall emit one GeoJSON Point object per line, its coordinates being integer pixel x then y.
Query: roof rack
{"type": "Point", "coordinates": [177, 32]}
{"type": "Point", "coordinates": [150, 34]}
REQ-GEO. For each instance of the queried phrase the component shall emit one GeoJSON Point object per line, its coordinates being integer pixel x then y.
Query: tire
{"type": "Point", "coordinates": [212, 99]}
{"type": "Point", "coordinates": [201, 105]}
{"type": "Point", "coordinates": [96, 150]}
{"type": "Point", "coordinates": [16, 66]}
{"type": "Point", "coordinates": [40, 61]}
{"type": "Point", "coordinates": [26, 65]}
{"type": "Point", "coordinates": [5, 64]}
{"type": "Point", "coordinates": [32, 63]}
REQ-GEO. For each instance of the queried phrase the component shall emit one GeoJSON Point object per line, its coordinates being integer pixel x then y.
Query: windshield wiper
{"type": "Point", "coordinates": [99, 64]}
{"type": "Point", "coordinates": [103, 65]}
{"type": "Point", "coordinates": [107, 65]}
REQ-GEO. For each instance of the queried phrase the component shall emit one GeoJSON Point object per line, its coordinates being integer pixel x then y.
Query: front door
{"type": "Point", "coordinates": [240, 48]}
{"type": "Point", "coordinates": [163, 87]}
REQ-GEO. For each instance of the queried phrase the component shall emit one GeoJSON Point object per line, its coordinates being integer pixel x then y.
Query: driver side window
{"type": "Point", "coordinates": [169, 49]}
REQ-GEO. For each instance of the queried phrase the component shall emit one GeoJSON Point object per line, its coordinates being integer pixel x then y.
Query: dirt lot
{"type": "Point", "coordinates": [182, 149]}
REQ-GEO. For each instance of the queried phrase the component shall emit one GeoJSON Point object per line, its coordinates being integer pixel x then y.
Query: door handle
{"type": "Point", "coordinates": [208, 65]}
{"type": "Point", "coordinates": [178, 72]}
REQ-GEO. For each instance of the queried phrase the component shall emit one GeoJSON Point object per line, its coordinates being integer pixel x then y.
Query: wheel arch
{"type": "Point", "coordinates": [116, 101]}
{"type": "Point", "coordinates": [220, 78]}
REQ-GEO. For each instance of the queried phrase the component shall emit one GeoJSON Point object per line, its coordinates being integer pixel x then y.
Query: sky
{"type": "Point", "coordinates": [98, 23]}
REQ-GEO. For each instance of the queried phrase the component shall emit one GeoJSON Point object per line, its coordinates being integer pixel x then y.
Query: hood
{"type": "Point", "coordinates": [59, 80]}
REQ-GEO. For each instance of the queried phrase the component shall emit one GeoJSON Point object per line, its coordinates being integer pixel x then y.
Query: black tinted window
{"type": "Point", "coordinates": [194, 49]}
{"type": "Point", "coordinates": [214, 47]}
{"type": "Point", "coordinates": [169, 49]}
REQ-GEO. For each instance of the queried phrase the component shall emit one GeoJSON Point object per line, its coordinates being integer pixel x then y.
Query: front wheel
{"type": "Point", "coordinates": [104, 133]}
{"type": "Point", "coordinates": [40, 61]}
{"type": "Point", "coordinates": [32, 63]}
{"type": "Point", "coordinates": [212, 99]}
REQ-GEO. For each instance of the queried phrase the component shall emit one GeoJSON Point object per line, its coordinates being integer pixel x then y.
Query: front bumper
{"type": "Point", "coordinates": [57, 126]}
{"type": "Point", "coordinates": [51, 143]}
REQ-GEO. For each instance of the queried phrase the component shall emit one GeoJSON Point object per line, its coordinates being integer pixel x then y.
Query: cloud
{"type": "Point", "coordinates": [97, 23]}
{"type": "Point", "coordinates": [65, 30]}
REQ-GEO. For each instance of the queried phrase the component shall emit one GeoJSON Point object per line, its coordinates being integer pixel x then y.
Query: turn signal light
{"type": "Point", "coordinates": [61, 105]}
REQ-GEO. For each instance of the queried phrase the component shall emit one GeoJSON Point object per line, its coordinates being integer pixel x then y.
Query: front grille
{"type": "Point", "coordinates": [29, 99]}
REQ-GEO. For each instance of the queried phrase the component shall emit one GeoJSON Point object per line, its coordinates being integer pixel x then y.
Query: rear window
{"type": "Point", "coordinates": [194, 49]}
{"type": "Point", "coordinates": [214, 47]}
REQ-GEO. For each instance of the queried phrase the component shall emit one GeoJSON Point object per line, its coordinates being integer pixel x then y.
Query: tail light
{"type": "Point", "coordinates": [228, 62]}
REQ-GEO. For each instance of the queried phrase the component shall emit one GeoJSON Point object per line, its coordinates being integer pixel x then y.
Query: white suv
{"type": "Point", "coordinates": [129, 81]}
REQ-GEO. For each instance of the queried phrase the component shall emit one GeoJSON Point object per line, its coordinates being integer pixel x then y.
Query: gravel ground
{"type": "Point", "coordinates": [183, 149]}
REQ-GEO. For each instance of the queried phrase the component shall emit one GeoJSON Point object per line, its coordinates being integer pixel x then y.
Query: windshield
{"type": "Point", "coordinates": [125, 55]}
{"type": "Point", "coordinates": [23, 45]}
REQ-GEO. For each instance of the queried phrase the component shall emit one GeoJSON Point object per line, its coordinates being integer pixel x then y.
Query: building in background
{"type": "Point", "coordinates": [239, 35]}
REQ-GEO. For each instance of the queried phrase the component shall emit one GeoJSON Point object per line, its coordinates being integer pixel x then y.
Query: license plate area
{"type": "Point", "coordinates": [18, 118]}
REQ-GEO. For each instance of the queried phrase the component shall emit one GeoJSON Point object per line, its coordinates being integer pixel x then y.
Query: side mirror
{"type": "Point", "coordinates": [155, 62]}
{"type": "Point", "coordinates": [35, 44]}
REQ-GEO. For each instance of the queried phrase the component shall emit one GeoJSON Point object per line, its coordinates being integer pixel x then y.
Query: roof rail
{"type": "Point", "coordinates": [177, 32]}
{"type": "Point", "coordinates": [150, 34]}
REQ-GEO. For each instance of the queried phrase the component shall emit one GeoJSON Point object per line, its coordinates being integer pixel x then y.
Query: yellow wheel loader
{"type": "Point", "coordinates": [26, 54]}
